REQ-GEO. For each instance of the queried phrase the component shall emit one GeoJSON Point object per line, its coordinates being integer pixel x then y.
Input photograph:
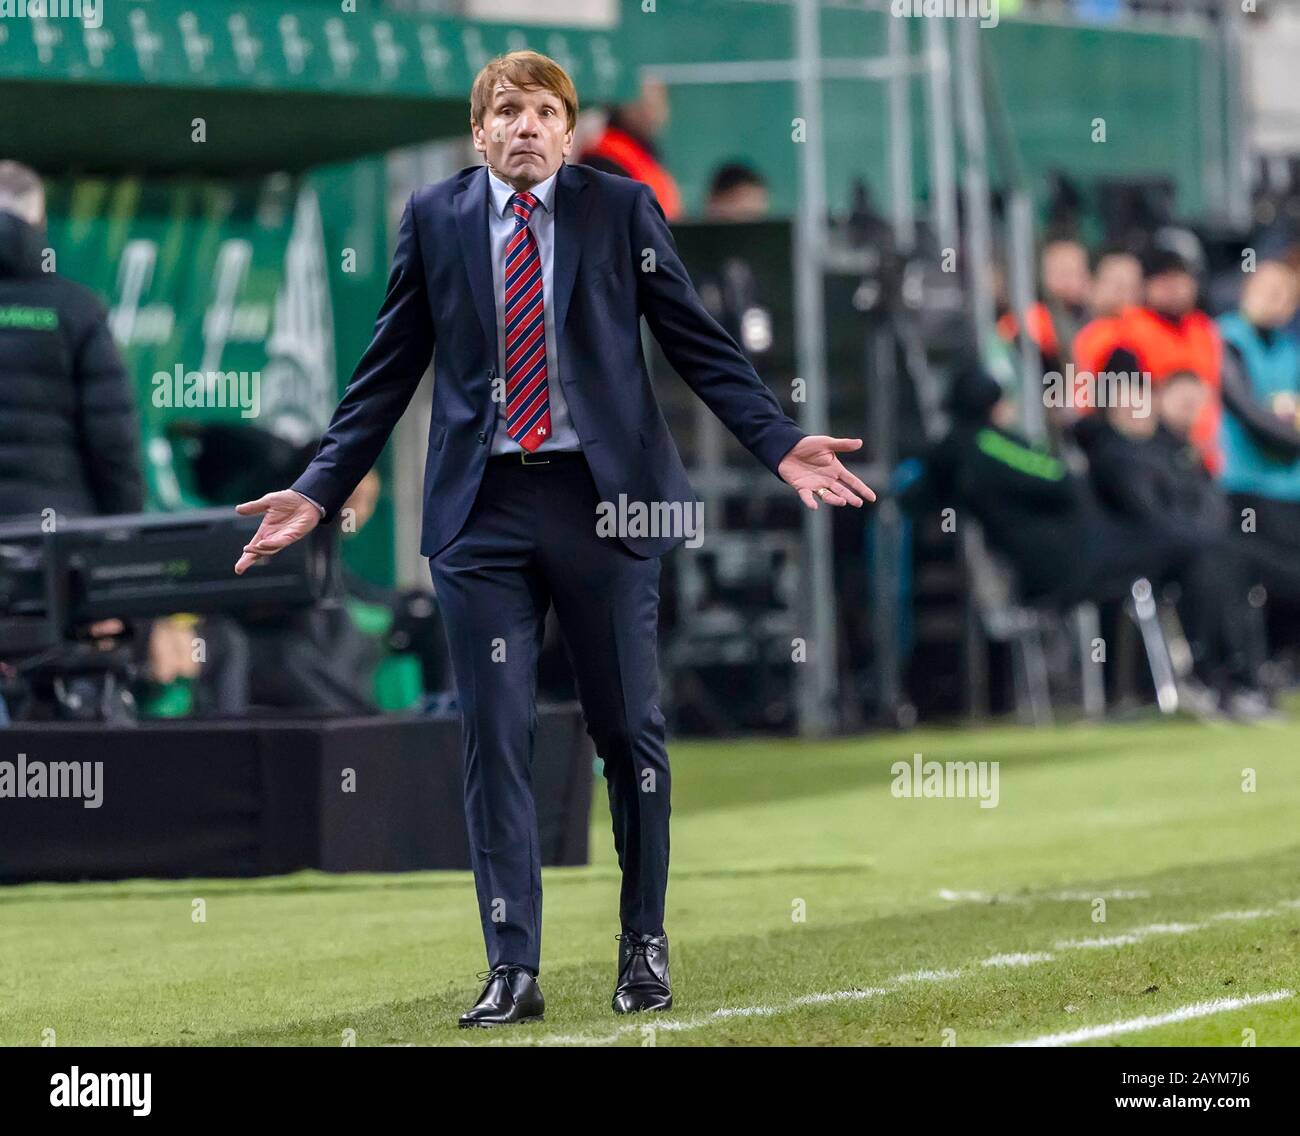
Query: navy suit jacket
{"type": "Point", "coordinates": [615, 261]}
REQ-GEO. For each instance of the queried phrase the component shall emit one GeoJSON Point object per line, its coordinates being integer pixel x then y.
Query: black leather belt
{"type": "Point", "coordinates": [543, 457]}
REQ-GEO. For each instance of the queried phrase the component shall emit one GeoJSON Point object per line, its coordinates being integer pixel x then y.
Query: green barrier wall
{"type": "Point", "coordinates": [1055, 81]}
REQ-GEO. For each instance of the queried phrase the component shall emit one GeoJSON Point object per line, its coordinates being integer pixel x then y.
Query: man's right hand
{"type": "Point", "coordinates": [286, 516]}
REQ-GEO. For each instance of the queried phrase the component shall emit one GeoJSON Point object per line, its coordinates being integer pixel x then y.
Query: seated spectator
{"type": "Point", "coordinates": [1054, 321]}
{"type": "Point", "coordinates": [1260, 432]}
{"type": "Point", "coordinates": [737, 192]}
{"type": "Point", "coordinates": [1116, 284]}
{"type": "Point", "coordinates": [1065, 546]}
{"type": "Point", "coordinates": [1145, 470]}
{"type": "Point", "coordinates": [1164, 336]}
{"type": "Point", "coordinates": [1260, 436]}
{"type": "Point", "coordinates": [1193, 496]}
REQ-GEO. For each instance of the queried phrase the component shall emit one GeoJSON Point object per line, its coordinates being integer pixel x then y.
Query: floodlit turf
{"type": "Point", "coordinates": [805, 899]}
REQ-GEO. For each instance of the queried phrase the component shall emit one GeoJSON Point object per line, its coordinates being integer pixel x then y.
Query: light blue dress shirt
{"type": "Point", "coordinates": [501, 227]}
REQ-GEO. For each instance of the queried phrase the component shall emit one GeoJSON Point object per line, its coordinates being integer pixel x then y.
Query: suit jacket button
{"type": "Point", "coordinates": [482, 438]}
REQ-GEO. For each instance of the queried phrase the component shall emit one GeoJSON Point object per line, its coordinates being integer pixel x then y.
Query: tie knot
{"type": "Point", "coordinates": [523, 204]}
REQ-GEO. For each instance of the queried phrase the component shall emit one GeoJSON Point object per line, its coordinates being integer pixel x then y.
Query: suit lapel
{"type": "Point", "coordinates": [571, 208]}
{"type": "Point", "coordinates": [471, 205]}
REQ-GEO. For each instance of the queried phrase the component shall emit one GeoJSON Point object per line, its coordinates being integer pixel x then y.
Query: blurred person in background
{"type": "Point", "coordinates": [1194, 494]}
{"type": "Point", "coordinates": [1116, 284]}
{"type": "Point", "coordinates": [627, 145]}
{"type": "Point", "coordinates": [1260, 434]}
{"type": "Point", "coordinates": [1260, 431]}
{"type": "Point", "coordinates": [1116, 288]}
{"type": "Point", "coordinates": [1166, 335]}
{"type": "Point", "coordinates": [1145, 470]}
{"type": "Point", "coordinates": [1044, 519]}
{"type": "Point", "coordinates": [737, 192]}
{"type": "Point", "coordinates": [69, 436]}
{"type": "Point", "coordinates": [1064, 543]}
{"type": "Point", "coordinates": [1054, 321]}
{"type": "Point", "coordinates": [729, 288]}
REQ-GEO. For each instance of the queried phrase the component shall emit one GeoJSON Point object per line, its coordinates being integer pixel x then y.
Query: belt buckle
{"type": "Point", "coordinates": [524, 455]}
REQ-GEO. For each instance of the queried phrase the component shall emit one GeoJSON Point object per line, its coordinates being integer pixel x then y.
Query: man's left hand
{"type": "Point", "coordinates": [814, 470]}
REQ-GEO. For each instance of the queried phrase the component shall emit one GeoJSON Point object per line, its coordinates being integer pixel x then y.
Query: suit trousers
{"type": "Point", "coordinates": [531, 541]}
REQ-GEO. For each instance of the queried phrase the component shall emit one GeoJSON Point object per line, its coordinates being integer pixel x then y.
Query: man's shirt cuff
{"type": "Point", "coordinates": [313, 501]}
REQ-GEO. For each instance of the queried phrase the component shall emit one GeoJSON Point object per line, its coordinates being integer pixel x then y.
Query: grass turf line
{"type": "Point", "coordinates": [760, 830]}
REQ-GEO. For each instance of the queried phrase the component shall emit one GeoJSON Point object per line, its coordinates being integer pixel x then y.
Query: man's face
{"type": "Point", "coordinates": [1116, 285]}
{"type": "Point", "coordinates": [741, 203]}
{"type": "Point", "coordinates": [1180, 402]}
{"type": "Point", "coordinates": [525, 135]}
{"type": "Point", "coordinates": [1130, 421]}
{"type": "Point", "coordinates": [1065, 272]}
{"type": "Point", "coordinates": [1268, 298]}
{"type": "Point", "coordinates": [649, 114]}
{"type": "Point", "coordinates": [1172, 293]}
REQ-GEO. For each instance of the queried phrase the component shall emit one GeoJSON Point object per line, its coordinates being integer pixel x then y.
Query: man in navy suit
{"type": "Point", "coordinates": [528, 278]}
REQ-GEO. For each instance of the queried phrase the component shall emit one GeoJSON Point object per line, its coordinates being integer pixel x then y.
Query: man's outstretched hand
{"type": "Point", "coordinates": [286, 516]}
{"type": "Point", "coordinates": [812, 465]}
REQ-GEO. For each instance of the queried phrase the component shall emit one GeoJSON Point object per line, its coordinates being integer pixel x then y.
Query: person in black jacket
{"type": "Point", "coordinates": [1069, 542]}
{"type": "Point", "coordinates": [69, 437]}
{"type": "Point", "coordinates": [1147, 473]}
{"type": "Point", "coordinates": [1045, 520]}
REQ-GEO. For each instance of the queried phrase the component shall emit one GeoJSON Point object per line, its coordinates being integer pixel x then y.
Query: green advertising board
{"type": "Point", "coordinates": [222, 298]}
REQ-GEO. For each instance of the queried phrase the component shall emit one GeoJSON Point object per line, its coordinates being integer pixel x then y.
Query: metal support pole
{"type": "Point", "coordinates": [900, 138]}
{"type": "Point", "coordinates": [818, 676]}
{"type": "Point", "coordinates": [1033, 414]}
{"type": "Point", "coordinates": [975, 182]}
{"type": "Point", "coordinates": [1240, 107]}
{"type": "Point", "coordinates": [942, 148]}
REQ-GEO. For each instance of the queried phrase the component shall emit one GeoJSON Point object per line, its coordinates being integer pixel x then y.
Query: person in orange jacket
{"type": "Point", "coordinates": [1168, 334]}
{"type": "Point", "coordinates": [1053, 321]}
{"type": "Point", "coordinates": [627, 146]}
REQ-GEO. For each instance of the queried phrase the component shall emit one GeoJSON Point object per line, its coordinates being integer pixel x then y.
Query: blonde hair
{"type": "Point", "coordinates": [529, 71]}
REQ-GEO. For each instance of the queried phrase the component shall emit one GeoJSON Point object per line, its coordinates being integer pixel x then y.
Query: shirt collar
{"type": "Point", "coordinates": [502, 191]}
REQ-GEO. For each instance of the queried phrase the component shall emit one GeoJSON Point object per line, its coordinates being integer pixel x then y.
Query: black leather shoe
{"type": "Point", "coordinates": [511, 995]}
{"type": "Point", "coordinates": [642, 974]}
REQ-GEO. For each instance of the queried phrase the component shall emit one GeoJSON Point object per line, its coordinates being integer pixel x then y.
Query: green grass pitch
{"type": "Point", "coordinates": [807, 905]}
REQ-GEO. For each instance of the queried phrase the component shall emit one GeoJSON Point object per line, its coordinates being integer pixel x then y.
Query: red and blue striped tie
{"type": "Point", "coordinates": [528, 406]}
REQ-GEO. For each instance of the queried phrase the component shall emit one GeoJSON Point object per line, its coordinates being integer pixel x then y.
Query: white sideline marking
{"type": "Point", "coordinates": [927, 976]}
{"type": "Point", "coordinates": [726, 1012]}
{"type": "Point", "coordinates": [1134, 936]}
{"type": "Point", "coordinates": [1027, 958]}
{"type": "Point", "coordinates": [1150, 1021]}
{"type": "Point", "coordinates": [1081, 895]}
{"type": "Point", "coordinates": [1113, 893]}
